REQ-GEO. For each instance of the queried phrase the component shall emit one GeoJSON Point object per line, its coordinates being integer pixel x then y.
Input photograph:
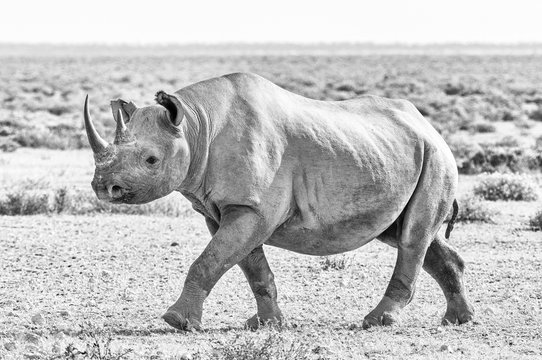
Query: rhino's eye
{"type": "Point", "coordinates": [152, 160]}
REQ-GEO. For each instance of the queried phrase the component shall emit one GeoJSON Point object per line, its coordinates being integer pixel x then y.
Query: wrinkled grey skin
{"type": "Point", "coordinates": [266, 166]}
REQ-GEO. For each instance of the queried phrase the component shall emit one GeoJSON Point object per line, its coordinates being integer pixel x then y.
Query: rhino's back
{"type": "Point", "coordinates": [334, 175]}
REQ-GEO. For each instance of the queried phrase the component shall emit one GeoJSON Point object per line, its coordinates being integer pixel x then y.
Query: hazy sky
{"type": "Point", "coordinates": [165, 21]}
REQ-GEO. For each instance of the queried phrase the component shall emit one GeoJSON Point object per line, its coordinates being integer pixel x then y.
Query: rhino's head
{"type": "Point", "coordinates": [149, 157]}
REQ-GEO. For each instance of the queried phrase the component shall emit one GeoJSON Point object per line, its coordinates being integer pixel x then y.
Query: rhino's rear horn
{"type": "Point", "coordinates": [172, 105]}
{"type": "Point", "coordinates": [97, 144]}
{"type": "Point", "coordinates": [122, 134]}
{"type": "Point", "coordinates": [121, 130]}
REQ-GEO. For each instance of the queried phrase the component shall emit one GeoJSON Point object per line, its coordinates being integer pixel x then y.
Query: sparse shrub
{"type": "Point", "coordinates": [536, 115]}
{"type": "Point", "coordinates": [334, 262]}
{"type": "Point", "coordinates": [96, 346]}
{"type": "Point", "coordinates": [473, 158]}
{"type": "Point", "coordinates": [32, 198]}
{"type": "Point", "coordinates": [536, 221]}
{"type": "Point", "coordinates": [253, 347]}
{"type": "Point", "coordinates": [472, 208]}
{"type": "Point", "coordinates": [61, 199]}
{"type": "Point", "coordinates": [482, 127]}
{"type": "Point", "coordinates": [462, 89]}
{"type": "Point", "coordinates": [39, 138]}
{"type": "Point", "coordinates": [348, 86]}
{"type": "Point", "coordinates": [524, 123]}
{"type": "Point", "coordinates": [507, 187]}
{"type": "Point", "coordinates": [25, 203]}
{"type": "Point", "coordinates": [453, 88]}
{"type": "Point", "coordinates": [8, 145]}
{"type": "Point", "coordinates": [502, 158]}
{"type": "Point", "coordinates": [59, 109]}
{"type": "Point", "coordinates": [469, 155]}
{"type": "Point", "coordinates": [510, 115]}
{"type": "Point", "coordinates": [508, 141]}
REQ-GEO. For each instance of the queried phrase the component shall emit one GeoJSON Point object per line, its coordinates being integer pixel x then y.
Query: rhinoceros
{"type": "Point", "coordinates": [267, 166]}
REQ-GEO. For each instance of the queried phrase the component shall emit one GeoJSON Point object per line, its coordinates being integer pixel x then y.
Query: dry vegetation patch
{"type": "Point", "coordinates": [40, 104]}
{"type": "Point", "coordinates": [508, 187]}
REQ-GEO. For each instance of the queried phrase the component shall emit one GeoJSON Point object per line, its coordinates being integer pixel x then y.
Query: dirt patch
{"type": "Point", "coordinates": [120, 273]}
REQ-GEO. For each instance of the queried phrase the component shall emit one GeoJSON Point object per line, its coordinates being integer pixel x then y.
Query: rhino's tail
{"type": "Point", "coordinates": [451, 223]}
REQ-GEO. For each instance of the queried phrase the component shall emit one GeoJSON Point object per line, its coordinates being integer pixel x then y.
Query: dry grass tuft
{"type": "Point", "coordinates": [473, 208]}
{"type": "Point", "coordinates": [273, 346]}
{"type": "Point", "coordinates": [535, 221]}
{"type": "Point", "coordinates": [37, 198]}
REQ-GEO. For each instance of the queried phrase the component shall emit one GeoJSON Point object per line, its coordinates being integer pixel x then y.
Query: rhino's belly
{"type": "Point", "coordinates": [295, 235]}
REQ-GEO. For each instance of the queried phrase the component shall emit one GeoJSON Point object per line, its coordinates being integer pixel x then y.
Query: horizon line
{"type": "Point", "coordinates": [280, 43]}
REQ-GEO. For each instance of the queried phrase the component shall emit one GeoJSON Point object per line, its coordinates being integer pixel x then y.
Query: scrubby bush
{"type": "Point", "coordinates": [524, 123]}
{"type": "Point", "coordinates": [513, 187]}
{"type": "Point", "coordinates": [473, 158]}
{"type": "Point", "coordinates": [482, 127]}
{"type": "Point", "coordinates": [469, 155]}
{"type": "Point", "coordinates": [473, 208]}
{"type": "Point", "coordinates": [32, 200]}
{"type": "Point", "coordinates": [8, 145]}
{"type": "Point", "coordinates": [334, 262]}
{"type": "Point", "coordinates": [56, 137]}
{"type": "Point", "coordinates": [536, 221]}
{"type": "Point", "coordinates": [25, 203]}
{"type": "Point", "coordinates": [536, 115]}
{"type": "Point", "coordinates": [273, 346]}
{"type": "Point", "coordinates": [508, 141]}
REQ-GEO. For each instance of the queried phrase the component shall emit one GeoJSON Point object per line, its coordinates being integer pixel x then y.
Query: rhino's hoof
{"type": "Point", "coordinates": [255, 322]}
{"type": "Point", "coordinates": [386, 319]}
{"type": "Point", "coordinates": [455, 317]}
{"type": "Point", "coordinates": [459, 311]}
{"type": "Point", "coordinates": [179, 322]}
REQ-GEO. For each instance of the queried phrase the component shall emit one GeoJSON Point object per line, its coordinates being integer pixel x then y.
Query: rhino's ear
{"type": "Point", "coordinates": [172, 105]}
{"type": "Point", "coordinates": [127, 109]}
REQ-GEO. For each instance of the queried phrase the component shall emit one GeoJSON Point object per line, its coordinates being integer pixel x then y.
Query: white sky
{"type": "Point", "coordinates": [166, 21]}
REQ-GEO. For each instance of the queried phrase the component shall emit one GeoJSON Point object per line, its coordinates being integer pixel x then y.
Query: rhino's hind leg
{"type": "Point", "coordinates": [445, 265]}
{"type": "Point", "coordinates": [261, 280]}
{"type": "Point", "coordinates": [422, 218]}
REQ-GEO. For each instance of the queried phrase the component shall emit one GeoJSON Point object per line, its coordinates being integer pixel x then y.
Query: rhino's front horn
{"type": "Point", "coordinates": [97, 144]}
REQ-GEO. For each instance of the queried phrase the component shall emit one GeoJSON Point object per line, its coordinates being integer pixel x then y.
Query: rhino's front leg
{"type": "Point", "coordinates": [261, 280]}
{"type": "Point", "coordinates": [241, 230]}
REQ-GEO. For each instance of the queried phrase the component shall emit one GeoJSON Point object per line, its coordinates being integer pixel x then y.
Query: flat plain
{"type": "Point", "coordinates": [94, 284]}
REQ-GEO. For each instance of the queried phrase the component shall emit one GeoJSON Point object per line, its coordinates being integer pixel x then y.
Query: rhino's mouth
{"type": "Point", "coordinates": [127, 197]}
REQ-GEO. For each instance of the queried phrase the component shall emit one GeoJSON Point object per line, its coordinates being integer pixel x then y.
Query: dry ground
{"type": "Point", "coordinates": [117, 274]}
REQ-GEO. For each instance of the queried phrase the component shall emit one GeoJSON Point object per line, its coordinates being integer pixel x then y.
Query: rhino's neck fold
{"type": "Point", "coordinates": [197, 128]}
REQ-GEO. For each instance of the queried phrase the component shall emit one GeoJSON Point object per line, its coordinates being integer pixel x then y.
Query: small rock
{"type": "Point", "coordinates": [440, 329]}
{"type": "Point", "coordinates": [38, 319]}
{"type": "Point", "coordinates": [10, 346]}
{"type": "Point", "coordinates": [446, 348]}
{"type": "Point", "coordinates": [490, 310]}
{"type": "Point", "coordinates": [91, 303]}
{"type": "Point", "coordinates": [32, 338]}
{"type": "Point", "coordinates": [174, 243]}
